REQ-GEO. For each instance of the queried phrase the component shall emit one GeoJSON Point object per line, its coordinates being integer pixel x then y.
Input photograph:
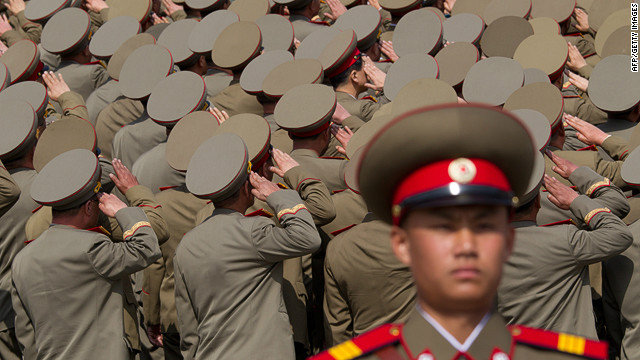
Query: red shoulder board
{"type": "Point", "coordinates": [563, 222]}
{"type": "Point", "coordinates": [385, 61]}
{"type": "Point", "coordinates": [28, 242]}
{"type": "Point", "coordinates": [163, 188]}
{"type": "Point", "coordinates": [369, 97]}
{"type": "Point", "coordinates": [36, 209]}
{"type": "Point", "coordinates": [260, 212]}
{"type": "Point", "coordinates": [282, 186]}
{"type": "Point", "coordinates": [589, 55]}
{"type": "Point", "coordinates": [589, 148]}
{"type": "Point", "coordinates": [340, 231]}
{"type": "Point", "coordinates": [100, 230]}
{"type": "Point", "coordinates": [97, 62]}
{"type": "Point", "coordinates": [570, 344]}
{"type": "Point", "coordinates": [364, 344]}
{"type": "Point", "coordinates": [319, 22]}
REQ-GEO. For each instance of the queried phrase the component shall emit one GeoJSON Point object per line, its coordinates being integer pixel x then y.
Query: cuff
{"type": "Point", "coordinates": [138, 194]}
{"type": "Point", "coordinates": [285, 202]}
{"type": "Point", "coordinates": [585, 71]}
{"type": "Point", "coordinates": [353, 122]}
{"type": "Point", "coordinates": [130, 220]}
{"type": "Point", "coordinates": [70, 100]}
{"type": "Point", "coordinates": [584, 179]}
{"type": "Point", "coordinates": [586, 209]}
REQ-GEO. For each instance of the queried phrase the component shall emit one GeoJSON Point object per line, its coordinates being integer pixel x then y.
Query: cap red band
{"type": "Point", "coordinates": [313, 132]}
{"type": "Point", "coordinates": [257, 163]}
{"type": "Point", "coordinates": [442, 173]}
{"type": "Point", "coordinates": [355, 55]}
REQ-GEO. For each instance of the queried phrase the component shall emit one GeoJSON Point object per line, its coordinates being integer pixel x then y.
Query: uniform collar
{"type": "Point", "coordinates": [305, 152]}
{"type": "Point", "coordinates": [420, 337]}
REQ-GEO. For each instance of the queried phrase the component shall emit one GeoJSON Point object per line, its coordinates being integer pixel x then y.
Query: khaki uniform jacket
{"type": "Point", "coordinates": [136, 138]}
{"type": "Point", "coordinates": [154, 172]}
{"type": "Point", "coordinates": [362, 108]}
{"type": "Point", "coordinates": [302, 26]}
{"type": "Point", "coordinates": [236, 101]}
{"type": "Point", "coordinates": [621, 300]}
{"type": "Point", "coordinates": [101, 97]}
{"type": "Point", "coordinates": [137, 196]}
{"type": "Point", "coordinates": [83, 78]}
{"type": "Point", "coordinates": [9, 190]}
{"type": "Point", "coordinates": [578, 104]}
{"type": "Point", "coordinates": [12, 240]}
{"type": "Point", "coordinates": [495, 341]}
{"type": "Point", "coordinates": [180, 208]}
{"type": "Point", "coordinates": [112, 118]}
{"type": "Point", "coordinates": [329, 171]}
{"type": "Point", "coordinates": [228, 275]}
{"type": "Point", "coordinates": [365, 284]}
{"type": "Point", "coordinates": [545, 282]}
{"type": "Point", "coordinates": [350, 211]}
{"type": "Point", "coordinates": [68, 289]}
{"type": "Point", "coordinates": [22, 29]}
{"type": "Point", "coordinates": [615, 146]}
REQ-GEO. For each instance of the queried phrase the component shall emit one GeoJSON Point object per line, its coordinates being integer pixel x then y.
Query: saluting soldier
{"type": "Point", "coordinates": [18, 27]}
{"type": "Point", "coordinates": [448, 196]}
{"type": "Point", "coordinates": [245, 255]}
{"type": "Point", "coordinates": [68, 256]}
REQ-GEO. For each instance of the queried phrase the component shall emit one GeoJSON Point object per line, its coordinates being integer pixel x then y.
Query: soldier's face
{"type": "Point", "coordinates": [456, 254]}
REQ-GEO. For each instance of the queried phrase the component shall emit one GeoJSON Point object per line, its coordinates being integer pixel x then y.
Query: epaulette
{"type": "Point", "coordinates": [575, 34]}
{"type": "Point", "coordinates": [163, 188]}
{"type": "Point", "coordinates": [369, 97]}
{"type": "Point", "coordinates": [283, 186]}
{"type": "Point", "coordinates": [319, 22]}
{"type": "Point", "coordinates": [97, 62]}
{"type": "Point", "coordinates": [567, 343]}
{"type": "Point", "coordinates": [566, 85]}
{"type": "Point", "coordinates": [100, 230]}
{"type": "Point", "coordinates": [364, 344]}
{"type": "Point", "coordinates": [340, 231]}
{"type": "Point", "coordinates": [27, 242]}
{"type": "Point", "coordinates": [588, 148]}
{"type": "Point", "coordinates": [260, 212]}
{"type": "Point", "coordinates": [562, 222]}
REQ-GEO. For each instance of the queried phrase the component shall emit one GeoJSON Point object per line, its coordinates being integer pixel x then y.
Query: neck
{"type": "Point", "coordinates": [24, 163]}
{"type": "Point", "coordinates": [308, 145]}
{"type": "Point", "coordinates": [348, 88]}
{"type": "Point", "coordinates": [268, 107]}
{"type": "Point", "coordinates": [459, 324]}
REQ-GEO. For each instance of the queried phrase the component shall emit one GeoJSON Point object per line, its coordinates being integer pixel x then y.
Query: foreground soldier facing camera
{"type": "Point", "coordinates": [449, 196]}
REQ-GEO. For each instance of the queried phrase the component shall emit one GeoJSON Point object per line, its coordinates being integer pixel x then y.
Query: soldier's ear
{"type": "Point", "coordinates": [400, 244]}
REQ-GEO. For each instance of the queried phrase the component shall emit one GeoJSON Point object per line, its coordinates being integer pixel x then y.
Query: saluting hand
{"type": "Point", "coordinates": [563, 167]}
{"type": "Point", "coordinates": [123, 178]}
{"type": "Point", "coordinates": [4, 24]}
{"type": "Point", "coordinates": [386, 47]}
{"type": "Point", "coordinates": [575, 60]}
{"type": "Point", "coordinates": [337, 9]}
{"type": "Point", "coordinates": [578, 81]}
{"type": "Point", "coordinates": [171, 7]}
{"type": "Point", "coordinates": [220, 115]}
{"type": "Point", "coordinates": [283, 161]}
{"type": "Point", "coordinates": [15, 6]}
{"type": "Point", "coordinates": [95, 5]}
{"type": "Point", "coordinates": [262, 187]}
{"type": "Point", "coordinates": [375, 76]}
{"type": "Point", "coordinates": [559, 194]}
{"type": "Point", "coordinates": [56, 86]}
{"type": "Point", "coordinates": [343, 135]}
{"type": "Point", "coordinates": [582, 20]}
{"type": "Point", "coordinates": [110, 204]}
{"type": "Point", "coordinates": [587, 133]}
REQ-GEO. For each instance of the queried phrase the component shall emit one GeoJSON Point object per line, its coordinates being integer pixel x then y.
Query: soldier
{"type": "Point", "coordinates": [448, 197]}
{"type": "Point", "coordinates": [544, 283]}
{"type": "Point", "coordinates": [213, 318]}
{"type": "Point", "coordinates": [9, 190]}
{"type": "Point", "coordinates": [301, 14]}
{"type": "Point", "coordinates": [18, 27]}
{"type": "Point", "coordinates": [42, 283]}
{"type": "Point", "coordinates": [81, 75]}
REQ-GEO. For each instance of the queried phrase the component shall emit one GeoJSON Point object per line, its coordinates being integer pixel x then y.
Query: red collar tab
{"type": "Point", "coordinates": [37, 73]}
{"type": "Point", "coordinates": [260, 212]}
{"type": "Point", "coordinates": [355, 55]}
{"type": "Point", "coordinates": [437, 175]}
{"type": "Point", "coordinates": [100, 230]}
{"type": "Point", "coordinates": [257, 163]}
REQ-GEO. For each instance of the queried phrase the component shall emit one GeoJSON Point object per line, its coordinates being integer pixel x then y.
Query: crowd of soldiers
{"type": "Point", "coordinates": [335, 179]}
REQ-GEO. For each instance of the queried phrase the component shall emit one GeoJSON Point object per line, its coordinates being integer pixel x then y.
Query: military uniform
{"type": "Point", "coordinates": [112, 119]}
{"type": "Point", "coordinates": [83, 78]}
{"type": "Point", "coordinates": [9, 190]}
{"type": "Point", "coordinates": [303, 26]}
{"type": "Point", "coordinates": [236, 101]}
{"type": "Point", "coordinates": [544, 282]}
{"type": "Point", "coordinates": [22, 29]}
{"type": "Point", "coordinates": [209, 318]}
{"type": "Point", "coordinates": [365, 284]}
{"type": "Point", "coordinates": [101, 98]}
{"type": "Point", "coordinates": [362, 108]}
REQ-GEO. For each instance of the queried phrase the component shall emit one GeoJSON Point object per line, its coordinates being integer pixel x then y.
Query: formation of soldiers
{"type": "Point", "coordinates": [335, 179]}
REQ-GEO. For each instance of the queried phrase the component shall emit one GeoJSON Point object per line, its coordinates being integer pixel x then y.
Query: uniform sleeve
{"type": "Point", "coordinates": [368, 108]}
{"type": "Point", "coordinates": [606, 234]}
{"type": "Point", "coordinates": [138, 250]}
{"type": "Point", "coordinates": [338, 321]}
{"type": "Point", "coordinates": [610, 169]}
{"type": "Point", "coordinates": [23, 29]}
{"type": "Point", "coordinates": [25, 332]}
{"type": "Point", "coordinates": [587, 111]}
{"type": "Point", "coordinates": [9, 190]}
{"type": "Point", "coordinates": [314, 194]}
{"type": "Point", "coordinates": [151, 282]}
{"type": "Point", "coordinates": [186, 315]}
{"type": "Point", "coordinates": [616, 147]}
{"type": "Point", "coordinates": [73, 105]}
{"type": "Point", "coordinates": [353, 122]}
{"type": "Point", "coordinates": [142, 197]}
{"type": "Point", "coordinates": [178, 15]}
{"type": "Point", "coordinates": [99, 76]}
{"type": "Point", "coordinates": [298, 235]}
{"type": "Point", "coordinates": [585, 71]}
